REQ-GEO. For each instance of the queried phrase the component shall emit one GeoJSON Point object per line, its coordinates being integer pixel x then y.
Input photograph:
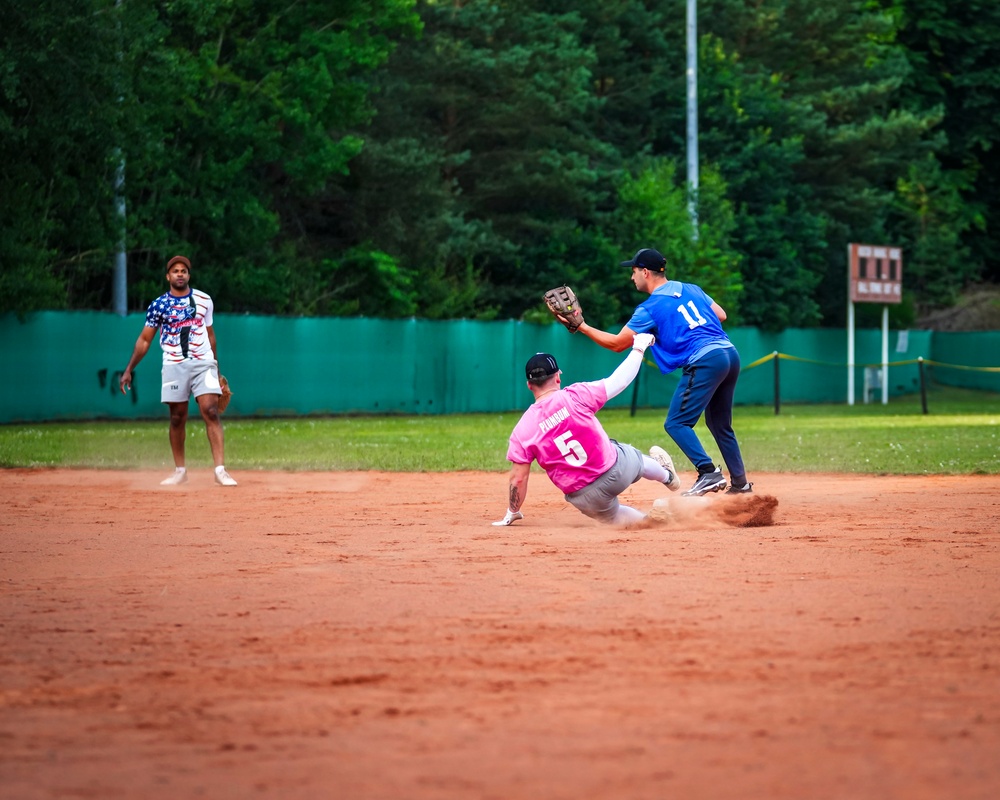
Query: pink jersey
{"type": "Point", "coordinates": [562, 434]}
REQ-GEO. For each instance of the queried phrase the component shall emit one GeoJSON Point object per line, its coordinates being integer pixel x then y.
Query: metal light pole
{"type": "Point", "coordinates": [120, 282]}
{"type": "Point", "coordinates": [692, 114]}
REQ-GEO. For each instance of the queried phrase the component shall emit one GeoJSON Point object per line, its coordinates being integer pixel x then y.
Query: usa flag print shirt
{"type": "Point", "coordinates": [183, 323]}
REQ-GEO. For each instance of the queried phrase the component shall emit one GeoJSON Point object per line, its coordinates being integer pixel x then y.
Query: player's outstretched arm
{"type": "Point", "coordinates": [616, 382]}
{"type": "Point", "coordinates": [518, 490]}
{"type": "Point", "coordinates": [617, 342]}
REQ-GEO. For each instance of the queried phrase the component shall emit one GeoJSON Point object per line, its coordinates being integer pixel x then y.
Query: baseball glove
{"type": "Point", "coordinates": [565, 307]}
{"type": "Point", "coordinates": [227, 394]}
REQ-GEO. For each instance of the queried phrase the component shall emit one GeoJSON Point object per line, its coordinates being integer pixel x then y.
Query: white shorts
{"type": "Point", "coordinates": [187, 378]}
{"type": "Point", "coordinates": [599, 500]}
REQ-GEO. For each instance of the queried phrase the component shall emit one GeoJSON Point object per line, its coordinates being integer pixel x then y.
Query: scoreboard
{"type": "Point", "coordinates": [876, 273]}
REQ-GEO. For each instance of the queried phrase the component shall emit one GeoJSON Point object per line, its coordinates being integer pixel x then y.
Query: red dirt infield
{"type": "Point", "coordinates": [370, 635]}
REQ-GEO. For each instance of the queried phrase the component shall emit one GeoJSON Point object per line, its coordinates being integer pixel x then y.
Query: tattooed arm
{"type": "Point", "coordinates": [519, 474]}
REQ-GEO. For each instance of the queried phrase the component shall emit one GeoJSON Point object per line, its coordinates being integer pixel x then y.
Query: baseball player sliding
{"type": "Point", "coordinates": [561, 432]}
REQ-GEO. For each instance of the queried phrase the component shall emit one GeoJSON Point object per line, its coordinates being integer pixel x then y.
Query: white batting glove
{"type": "Point", "coordinates": [641, 341]}
{"type": "Point", "coordinates": [508, 518]}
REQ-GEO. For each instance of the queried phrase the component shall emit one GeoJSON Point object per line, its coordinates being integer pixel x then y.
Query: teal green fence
{"type": "Point", "coordinates": [65, 365]}
{"type": "Point", "coordinates": [969, 360]}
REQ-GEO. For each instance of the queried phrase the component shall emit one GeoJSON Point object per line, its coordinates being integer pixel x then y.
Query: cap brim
{"type": "Point", "coordinates": [628, 263]}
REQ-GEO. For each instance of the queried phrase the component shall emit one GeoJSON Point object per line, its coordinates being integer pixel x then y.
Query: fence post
{"type": "Point", "coordinates": [777, 385]}
{"type": "Point", "coordinates": [923, 384]}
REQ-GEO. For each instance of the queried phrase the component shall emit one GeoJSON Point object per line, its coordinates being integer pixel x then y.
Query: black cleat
{"type": "Point", "coordinates": [713, 481]}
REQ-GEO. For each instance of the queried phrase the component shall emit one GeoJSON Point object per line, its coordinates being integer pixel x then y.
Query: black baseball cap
{"type": "Point", "coordinates": [647, 258]}
{"type": "Point", "coordinates": [539, 367]}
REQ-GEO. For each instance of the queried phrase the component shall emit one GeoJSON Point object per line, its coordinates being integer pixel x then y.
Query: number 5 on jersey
{"type": "Point", "coordinates": [571, 449]}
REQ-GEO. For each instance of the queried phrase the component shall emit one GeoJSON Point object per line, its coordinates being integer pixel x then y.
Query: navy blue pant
{"type": "Point", "coordinates": [707, 386]}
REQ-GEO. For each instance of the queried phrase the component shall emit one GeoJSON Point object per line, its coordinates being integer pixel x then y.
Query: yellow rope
{"type": "Point", "coordinates": [926, 361]}
{"type": "Point", "coordinates": [786, 357]}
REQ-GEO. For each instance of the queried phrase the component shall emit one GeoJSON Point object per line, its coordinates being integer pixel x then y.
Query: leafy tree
{"type": "Point", "coordinates": [59, 89]}
{"type": "Point", "coordinates": [954, 53]}
{"type": "Point", "coordinates": [931, 219]}
{"type": "Point", "coordinates": [479, 167]}
{"type": "Point", "coordinates": [638, 73]}
{"type": "Point", "coordinates": [653, 211]}
{"type": "Point", "coordinates": [320, 158]}
{"type": "Point", "coordinates": [249, 109]}
{"type": "Point", "coordinates": [755, 135]}
{"type": "Point", "coordinates": [230, 117]}
{"type": "Point", "coordinates": [839, 72]}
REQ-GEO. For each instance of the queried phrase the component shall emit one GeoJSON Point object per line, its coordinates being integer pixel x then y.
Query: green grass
{"type": "Point", "coordinates": [960, 435]}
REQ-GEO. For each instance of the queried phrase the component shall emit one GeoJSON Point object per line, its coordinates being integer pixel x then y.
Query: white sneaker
{"type": "Point", "coordinates": [223, 478]}
{"type": "Point", "coordinates": [661, 457]}
{"type": "Point", "coordinates": [176, 479]}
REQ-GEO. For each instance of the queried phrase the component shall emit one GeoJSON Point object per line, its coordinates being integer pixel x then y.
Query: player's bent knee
{"type": "Point", "coordinates": [672, 427]}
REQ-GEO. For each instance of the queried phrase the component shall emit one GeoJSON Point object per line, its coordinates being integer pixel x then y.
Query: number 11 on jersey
{"type": "Point", "coordinates": [693, 322]}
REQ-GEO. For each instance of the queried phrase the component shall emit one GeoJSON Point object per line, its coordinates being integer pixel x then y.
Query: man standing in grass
{"type": "Point", "coordinates": [183, 317]}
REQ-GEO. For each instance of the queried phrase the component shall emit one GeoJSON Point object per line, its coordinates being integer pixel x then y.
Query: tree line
{"type": "Point", "coordinates": [396, 158]}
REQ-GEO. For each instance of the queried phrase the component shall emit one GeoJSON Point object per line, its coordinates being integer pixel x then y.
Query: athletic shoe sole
{"type": "Point", "coordinates": [661, 457]}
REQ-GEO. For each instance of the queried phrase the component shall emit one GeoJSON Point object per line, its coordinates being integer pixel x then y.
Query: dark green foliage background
{"type": "Point", "coordinates": [395, 158]}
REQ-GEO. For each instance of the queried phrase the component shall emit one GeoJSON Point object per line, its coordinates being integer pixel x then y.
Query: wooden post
{"type": "Point", "coordinates": [923, 384]}
{"type": "Point", "coordinates": [777, 385]}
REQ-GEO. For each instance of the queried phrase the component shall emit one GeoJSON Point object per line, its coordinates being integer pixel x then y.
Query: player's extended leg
{"type": "Point", "coordinates": [626, 515]}
{"type": "Point", "coordinates": [208, 404]}
{"type": "Point", "coordinates": [719, 419]}
{"type": "Point", "coordinates": [659, 466]}
{"type": "Point", "coordinates": [178, 430]}
{"type": "Point", "coordinates": [697, 384]}
{"type": "Point", "coordinates": [599, 500]}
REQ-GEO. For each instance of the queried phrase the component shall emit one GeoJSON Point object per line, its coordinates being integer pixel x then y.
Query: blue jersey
{"type": "Point", "coordinates": [681, 317]}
